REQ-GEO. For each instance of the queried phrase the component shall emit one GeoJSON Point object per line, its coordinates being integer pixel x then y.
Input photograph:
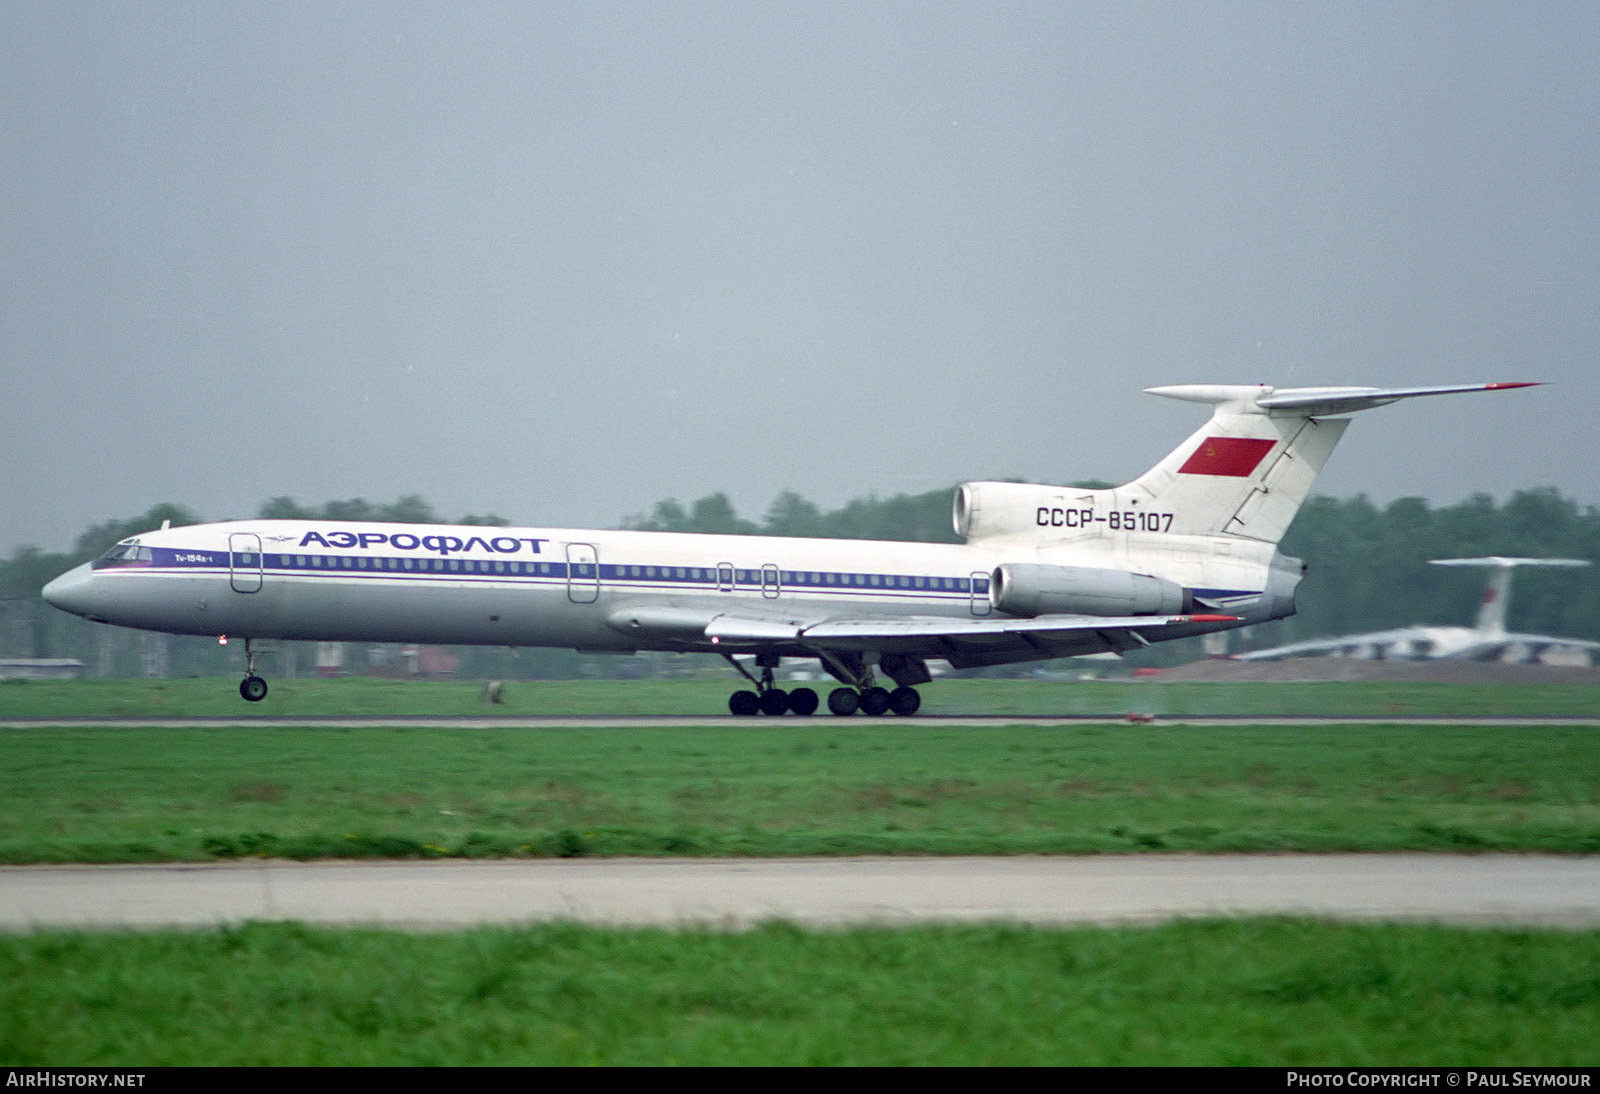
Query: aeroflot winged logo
{"type": "Point", "coordinates": [1234, 457]}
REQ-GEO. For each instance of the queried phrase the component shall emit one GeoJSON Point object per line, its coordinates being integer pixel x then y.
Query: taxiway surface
{"type": "Point", "coordinates": [602, 721]}
{"type": "Point", "coordinates": [1524, 890]}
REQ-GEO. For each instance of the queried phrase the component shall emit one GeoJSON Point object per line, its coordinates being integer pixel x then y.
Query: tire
{"type": "Point", "coordinates": [874, 701]}
{"type": "Point", "coordinates": [744, 704]}
{"type": "Point", "coordinates": [803, 701]}
{"type": "Point", "coordinates": [843, 701]}
{"type": "Point", "coordinates": [905, 701]}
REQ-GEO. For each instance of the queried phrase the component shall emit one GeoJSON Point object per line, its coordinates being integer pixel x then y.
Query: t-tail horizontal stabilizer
{"type": "Point", "coordinates": [1248, 470]}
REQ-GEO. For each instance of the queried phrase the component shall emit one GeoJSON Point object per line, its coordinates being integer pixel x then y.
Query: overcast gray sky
{"type": "Point", "coordinates": [560, 261]}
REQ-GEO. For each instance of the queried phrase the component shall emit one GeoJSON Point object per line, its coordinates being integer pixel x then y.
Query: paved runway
{"type": "Point", "coordinates": [600, 721]}
{"type": "Point", "coordinates": [1530, 890]}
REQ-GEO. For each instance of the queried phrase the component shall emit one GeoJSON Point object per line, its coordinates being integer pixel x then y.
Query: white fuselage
{"type": "Point", "coordinates": [585, 589]}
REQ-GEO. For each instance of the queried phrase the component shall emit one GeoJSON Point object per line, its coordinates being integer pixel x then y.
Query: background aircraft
{"type": "Point", "coordinates": [1486, 640]}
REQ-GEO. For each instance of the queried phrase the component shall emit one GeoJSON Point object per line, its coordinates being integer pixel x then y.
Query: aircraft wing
{"type": "Point", "coordinates": [1406, 643]}
{"type": "Point", "coordinates": [1425, 644]}
{"type": "Point", "coordinates": [963, 641]}
{"type": "Point", "coordinates": [1529, 645]}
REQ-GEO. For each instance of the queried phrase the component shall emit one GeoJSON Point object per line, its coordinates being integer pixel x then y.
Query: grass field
{"type": "Point", "coordinates": [1224, 993]}
{"type": "Point", "coordinates": [1219, 993]}
{"type": "Point", "coordinates": [788, 787]}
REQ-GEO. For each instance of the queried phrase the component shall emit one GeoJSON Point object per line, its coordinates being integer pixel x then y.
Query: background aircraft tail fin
{"type": "Point", "coordinates": [1497, 593]}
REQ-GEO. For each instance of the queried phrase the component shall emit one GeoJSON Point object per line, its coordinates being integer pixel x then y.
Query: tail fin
{"type": "Point", "coordinates": [1247, 471]}
{"type": "Point", "coordinates": [1497, 593]}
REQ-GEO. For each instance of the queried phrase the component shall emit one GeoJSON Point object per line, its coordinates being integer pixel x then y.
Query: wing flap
{"type": "Point", "coordinates": [968, 643]}
{"type": "Point", "coordinates": [941, 627]}
{"type": "Point", "coordinates": [988, 640]}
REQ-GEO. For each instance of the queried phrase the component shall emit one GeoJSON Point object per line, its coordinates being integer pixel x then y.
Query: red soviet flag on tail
{"type": "Point", "coordinates": [1235, 457]}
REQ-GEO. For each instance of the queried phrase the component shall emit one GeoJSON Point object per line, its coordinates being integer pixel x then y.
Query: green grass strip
{"type": "Point", "coordinates": [1210, 993]}
{"type": "Point", "coordinates": [791, 787]}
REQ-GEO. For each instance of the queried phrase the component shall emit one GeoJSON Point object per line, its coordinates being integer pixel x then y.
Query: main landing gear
{"type": "Point", "coordinates": [864, 697]}
{"type": "Point", "coordinates": [875, 700]}
{"type": "Point", "coordinates": [773, 701]}
{"type": "Point", "coordinates": [861, 692]}
{"type": "Point", "coordinates": [767, 699]}
{"type": "Point", "coordinates": [252, 688]}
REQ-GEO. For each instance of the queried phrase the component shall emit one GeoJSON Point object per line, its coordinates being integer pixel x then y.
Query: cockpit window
{"type": "Point", "coordinates": [125, 554]}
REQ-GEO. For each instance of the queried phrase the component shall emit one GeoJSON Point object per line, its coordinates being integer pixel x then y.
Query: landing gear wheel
{"type": "Point", "coordinates": [905, 701]}
{"type": "Point", "coordinates": [744, 704]}
{"type": "Point", "coordinates": [843, 701]}
{"type": "Point", "coordinates": [253, 688]}
{"type": "Point", "coordinates": [874, 701]}
{"type": "Point", "coordinates": [803, 701]}
{"type": "Point", "coordinates": [774, 701]}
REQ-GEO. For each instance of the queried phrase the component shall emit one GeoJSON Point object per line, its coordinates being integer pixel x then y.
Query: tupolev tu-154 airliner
{"type": "Point", "coordinates": [1187, 548]}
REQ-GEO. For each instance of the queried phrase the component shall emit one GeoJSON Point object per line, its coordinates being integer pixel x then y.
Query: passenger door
{"type": "Point", "coordinates": [583, 573]}
{"type": "Point", "coordinates": [244, 562]}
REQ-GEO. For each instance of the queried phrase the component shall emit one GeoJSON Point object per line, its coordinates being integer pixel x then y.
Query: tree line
{"type": "Point", "coordinates": [1368, 570]}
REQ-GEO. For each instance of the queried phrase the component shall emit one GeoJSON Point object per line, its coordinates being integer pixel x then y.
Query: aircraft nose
{"type": "Point", "coordinates": [71, 591]}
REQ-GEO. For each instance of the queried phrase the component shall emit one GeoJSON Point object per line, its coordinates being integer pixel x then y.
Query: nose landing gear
{"type": "Point", "coordinates": [252, 688]}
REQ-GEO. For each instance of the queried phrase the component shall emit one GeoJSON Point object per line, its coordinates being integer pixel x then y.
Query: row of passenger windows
{"type": "Point", "coordinates": [450, 565]}
{"type": "Point", "coordinates": [721, 576]}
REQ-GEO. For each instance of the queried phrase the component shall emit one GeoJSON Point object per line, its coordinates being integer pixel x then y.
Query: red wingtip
{"type": "Point", "coordinates": [1508, 386]}
{"type": "Point", "coordinates": [1209, 618]}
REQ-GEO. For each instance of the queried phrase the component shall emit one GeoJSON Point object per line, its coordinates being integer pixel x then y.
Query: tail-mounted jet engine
{"type": "Point", "coordinates": [1028, 589]}
{"type": "Point", "coordinates": [986, 509]}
